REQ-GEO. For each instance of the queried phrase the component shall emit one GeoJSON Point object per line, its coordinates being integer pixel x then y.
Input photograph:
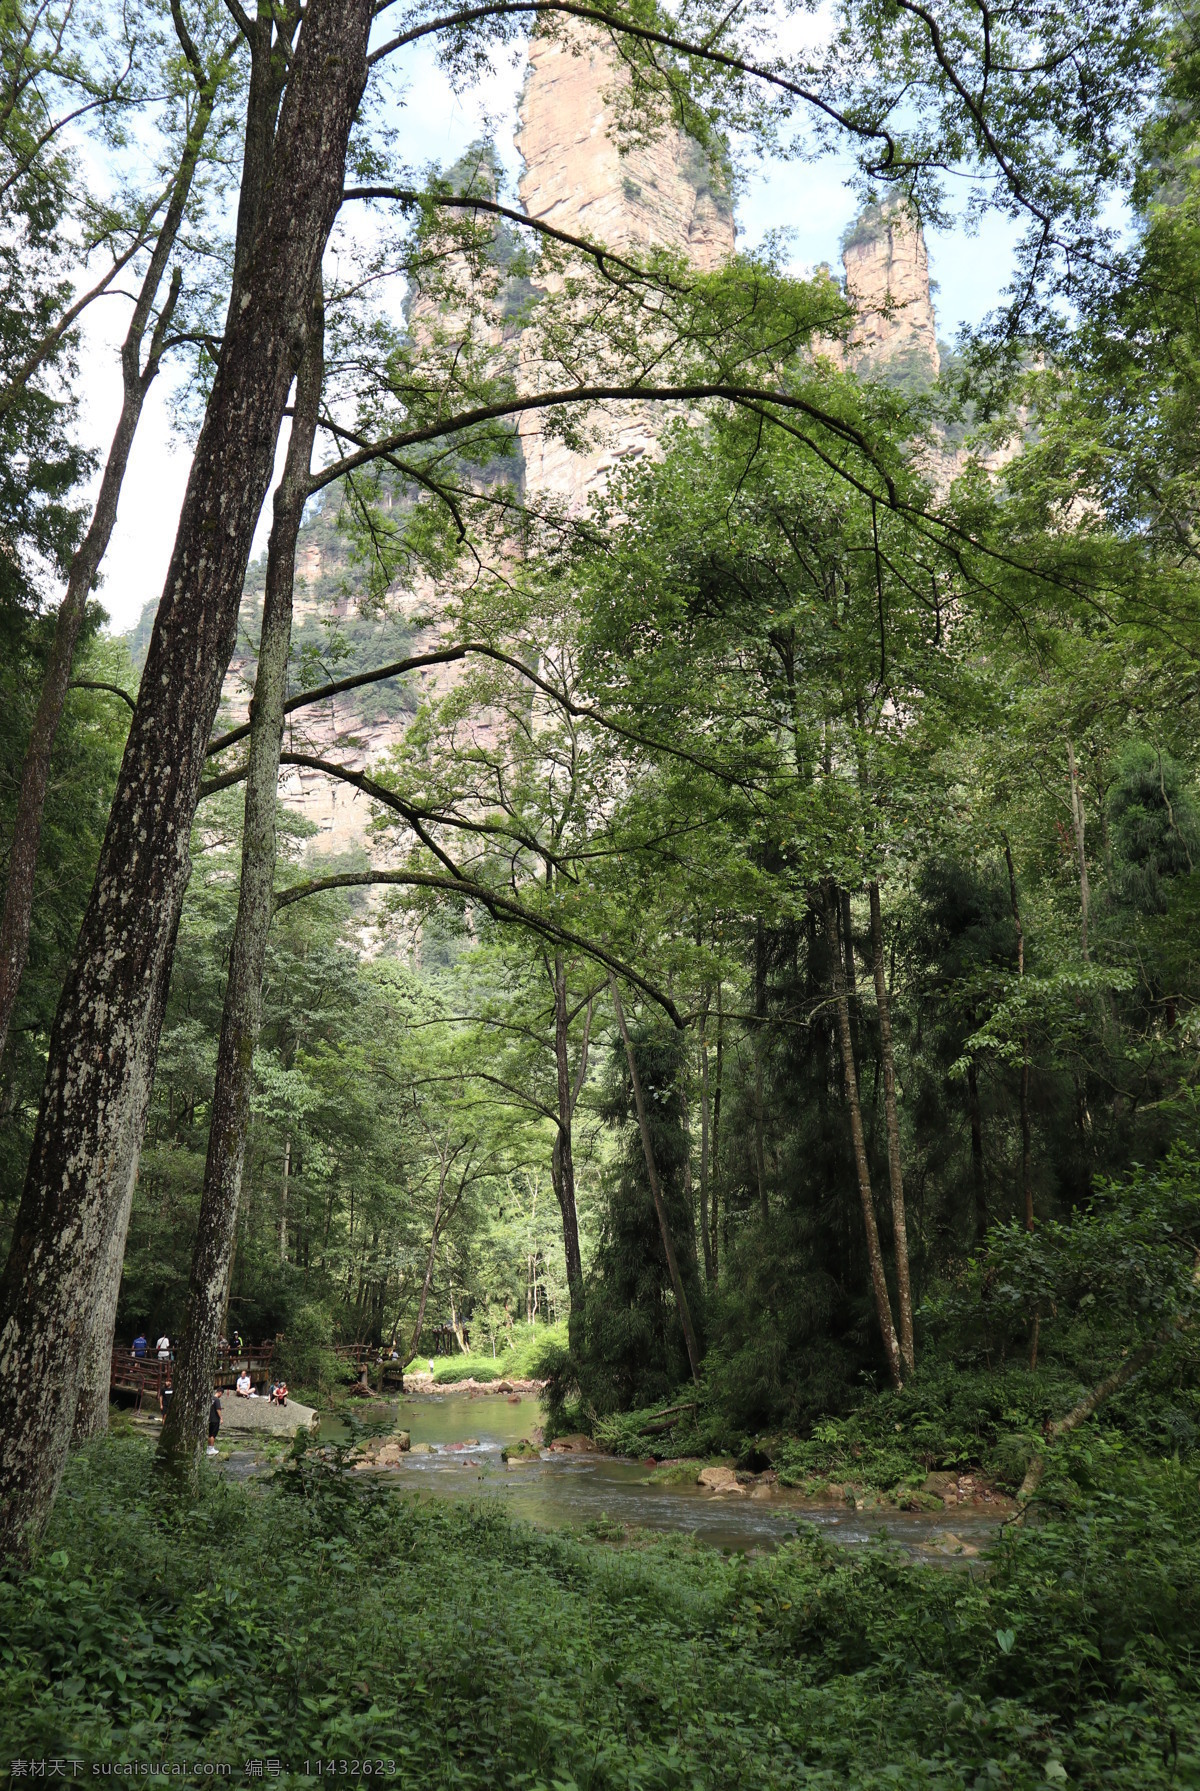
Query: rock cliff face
{"type": "Point", "coordinates": [887, 281]}
{"type": "Point", "coordinates": [660, 194]}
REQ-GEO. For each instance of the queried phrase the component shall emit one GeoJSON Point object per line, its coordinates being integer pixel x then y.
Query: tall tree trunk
{"type": "Point", "coordinates": [664, 1228]}
{"type": "Point", "coordinates": [1026, 1152]}
{"type": "Point", "coordinates": [136, 381]}
{"type": "Point", "coordinates": [760, 1020]}
{"type": "Point", "coordinates": [705, 1141]}
{"type": "Point", "coordinates": [718, 1078]}
{"type": "Point", "coordinates": [978, 1175]}
{"type": "Point", "coordinates": [427, 1283]}
{"type": "Point", "coordinates": [283, 1197]}
{"type": "Point", "coordinates": [183, 1434]}
{"type": "Point", "coordinates": [1080, 848]}
{"type": "Point", "coordinates": [883, 1304]}
{"type": "Point", "coordinates": [105, 1038]}
{"type": "Point", "coordinates": [845, 921]}
{"type": "Point", "coordinates": [95, 1379]}
{"type": "Point", "coordinates": [454, 1324]}
{"type": "Point", "coordinates": [895, 1169]}
{"type": "Point", "coordinates": [564, 1162]}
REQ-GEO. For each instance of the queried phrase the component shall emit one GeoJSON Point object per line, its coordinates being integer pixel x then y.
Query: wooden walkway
{"type": "Point", "coordinates": [142, 1375]}
{"type": "Point", "coordinates": [145, 1375]}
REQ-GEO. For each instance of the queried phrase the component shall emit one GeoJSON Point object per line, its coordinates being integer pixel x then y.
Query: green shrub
{"type": "Point", "coordinates": [316, 1617]}
{"type": "Point", "coordinates": [305, 1357]}
{"type": "Point", "coordinates": [536, 1355]}
{"type": "Point", "coordinates": [464, 1368]}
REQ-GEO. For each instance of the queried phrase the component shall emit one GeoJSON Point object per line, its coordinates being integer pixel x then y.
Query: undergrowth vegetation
{"type": "Point", "coordinates": [532, 1357]}
{"type": "Point", "coordinates": [308, 1617]}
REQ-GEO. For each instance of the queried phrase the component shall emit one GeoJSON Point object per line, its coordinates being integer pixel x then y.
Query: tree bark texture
{"type": "Point", "coordinates": [427, 1283]}
{"type": "Point", "coordinates": [719, 1080]}
{"type": "Point", "coordinates": [883, 1008]}
{"type": "Point", "coordinates": [565, 1163]}
{"type": "Point", "coordinates": [1077, 823]}
{"type": "Point", "coordinates": [760, 1021]}
{"type": "Point", "coordinates": [978, 1172]}
{"type": "Point", "coordinates": [105, 1037]}
{"type": "Point", "coordinates": [841, 1001]}
{"type": "Point", "coordinates": [136, 381]}
{"type": "Point", "coordinates": [680, 1292]}
{"type": "Point", "coordinates": [212, 1256]}
{"type": "Point", "coordinates": [705, 1140]}
{"type": "Point", "coordinates": [283, 1199]}
{"type": "Point", "coordinates": [1026, 1149]}
{"type": "Point", "coordinates": [95, 1380]}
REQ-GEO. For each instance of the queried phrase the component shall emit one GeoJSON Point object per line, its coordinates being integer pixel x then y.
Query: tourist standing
{"type": "Point", "coordinates": [214, 1421]}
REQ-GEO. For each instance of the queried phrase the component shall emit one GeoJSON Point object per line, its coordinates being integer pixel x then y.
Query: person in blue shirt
{"type": "Point", "coordinates": [139, 1344]}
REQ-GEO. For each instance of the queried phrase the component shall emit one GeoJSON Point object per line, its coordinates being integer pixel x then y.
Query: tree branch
{"type": "Point", "coordinates": [95, 684]}
{"type": "Point", "coordinates": [501, 907]}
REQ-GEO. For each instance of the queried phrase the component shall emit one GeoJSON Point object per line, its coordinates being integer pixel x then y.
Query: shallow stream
{"type": "Point", "coordinates": [468, 1431]}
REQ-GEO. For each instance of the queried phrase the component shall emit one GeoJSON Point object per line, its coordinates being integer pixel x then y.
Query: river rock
{"type": "Point", "coordinates": [917, 1499]}
{"type": "Point", "coordinates": [385, 1452]}
{"type": "Point", "coordinates": [421, 1449]}
{"type": "Point", "coordinates": [522, 1451]}
{"type": "Point", "coordinates": [942, 1485]}
{"type": "Point", "coordinates": [391, 1450]}
{"type": "Point", "coordinates": [947, 1543]}
{"type": "Point", "coordinates": [258, 1417]}
{"type": "Point", "coordinates": [573, 1445]}
{"type": "Point", "coordinates": [720, 1480]}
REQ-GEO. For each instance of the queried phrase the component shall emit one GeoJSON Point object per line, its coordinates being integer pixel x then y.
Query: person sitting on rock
{"type": "Point", "coordinates": [279, 1393]}
{"type": "Point", "coordinates": [243, 1384]}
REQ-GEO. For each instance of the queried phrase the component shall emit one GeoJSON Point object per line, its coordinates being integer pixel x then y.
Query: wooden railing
{"type": "Point", "coordinates": [142, 1375]}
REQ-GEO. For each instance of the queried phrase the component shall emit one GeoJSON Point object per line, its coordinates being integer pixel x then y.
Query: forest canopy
{"type": "Point", "coordinates": [651, 841]}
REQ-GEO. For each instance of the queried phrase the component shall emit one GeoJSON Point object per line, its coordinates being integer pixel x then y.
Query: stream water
{"type": "Point", "coordinates": [467, 1432]}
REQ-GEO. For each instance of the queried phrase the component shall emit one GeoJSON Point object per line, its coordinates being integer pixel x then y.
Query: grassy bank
{"type": "Point", "coordinates": [536, 1354]}
{"type": "Point", "coordinates": [312, 1618]}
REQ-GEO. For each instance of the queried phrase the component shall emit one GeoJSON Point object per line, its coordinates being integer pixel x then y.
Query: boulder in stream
{"type": "Point", "coordinates": [945, 1542]}
{"type": "Point", "coordinates": [573, 1445]}
{"type": "Point", "coordinates": [258, 1417]}
{"type": "Point", "coordinates": [522, 1451]}
{"type": "Point", "coordinates": [386, 1452]}
{"type": "Point", "coordinates": [720, 1480]}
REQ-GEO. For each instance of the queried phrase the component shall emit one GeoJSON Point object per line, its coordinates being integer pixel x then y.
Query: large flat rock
{"type": "Point", "coordinates": [259, 1417]}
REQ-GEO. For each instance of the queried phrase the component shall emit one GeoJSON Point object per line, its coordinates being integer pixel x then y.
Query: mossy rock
{"type": "Point", "coordinates": [914, 1498]}
{"type": "Point", "coordinates": [523, 1451]}
{"type": "Point", "coordinates": [675, 1473]}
